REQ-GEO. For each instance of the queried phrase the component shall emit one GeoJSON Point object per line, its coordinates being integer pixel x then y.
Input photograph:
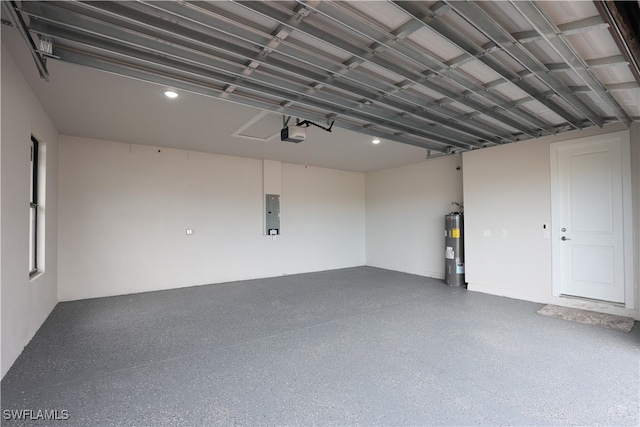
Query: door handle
{"type": "Point", "coordinates": [563, 238]}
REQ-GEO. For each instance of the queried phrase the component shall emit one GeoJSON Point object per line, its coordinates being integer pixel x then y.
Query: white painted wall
{"type": "Point", "coordinates": [25, 303]}
{"type": "Point", "coordinates": [124, 210]}
{"type": "Point", "coordinates": [405, 215]}
{"type": "Point", "coordinates": [508, 188]}
{"type": "Point", "coordinates": [635, 183]}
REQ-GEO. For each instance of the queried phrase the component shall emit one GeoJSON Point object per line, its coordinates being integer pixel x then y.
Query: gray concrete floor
{"type": "Point", "coordinates": [359, 346]}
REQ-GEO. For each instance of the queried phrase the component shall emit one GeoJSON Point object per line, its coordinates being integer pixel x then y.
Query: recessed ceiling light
{"type": "Point", "coordinates": [375, 141]}
{"type": "Point", "coordinates": [170, 94]}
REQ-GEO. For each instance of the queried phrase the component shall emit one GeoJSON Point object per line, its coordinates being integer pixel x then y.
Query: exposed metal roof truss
{"type": "Point", "coordinates": [448, 76]}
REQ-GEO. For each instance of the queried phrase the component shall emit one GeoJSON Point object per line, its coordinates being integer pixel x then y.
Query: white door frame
{"type": "Point", "coordinates": [625, 146]}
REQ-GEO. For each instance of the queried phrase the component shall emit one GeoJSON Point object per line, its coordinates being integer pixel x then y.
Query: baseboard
{"type": "Point", "coordinates": [600, 307]}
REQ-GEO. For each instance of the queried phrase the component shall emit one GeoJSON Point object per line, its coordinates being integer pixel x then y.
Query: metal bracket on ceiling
{"type": "Point", "coordinates": [46, 48]}
{"type": "Point", "coordinates": [440, 8]}
{"type": "Point", "coordinates": [306, 123]}
{"type": "Point", "coordinates": [12, 10]}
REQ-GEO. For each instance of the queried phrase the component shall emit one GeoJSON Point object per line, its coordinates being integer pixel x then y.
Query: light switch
{"type": "Point", "coordinates": [486, 233]}
{"type": "Point", "coordinates": [504, 233]}
{"type": "Point", "coordinates": [189, 232]}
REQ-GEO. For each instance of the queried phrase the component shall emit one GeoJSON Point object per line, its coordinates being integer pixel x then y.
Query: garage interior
{"type": "Point", "coordinates": [147, 278]}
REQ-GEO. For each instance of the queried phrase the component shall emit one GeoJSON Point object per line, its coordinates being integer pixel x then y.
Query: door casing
{"type": "Point", "coordinates": [624, 139]}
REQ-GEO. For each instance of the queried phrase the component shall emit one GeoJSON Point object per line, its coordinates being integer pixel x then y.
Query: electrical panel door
{"type": "Point", "coordinates": [272, 210]}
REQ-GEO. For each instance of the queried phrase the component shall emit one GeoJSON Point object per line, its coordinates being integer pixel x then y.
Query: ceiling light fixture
{"type": "Point", "coordinates": [170, 94]}
{"type": "Point", "coordinates": [375, 141]}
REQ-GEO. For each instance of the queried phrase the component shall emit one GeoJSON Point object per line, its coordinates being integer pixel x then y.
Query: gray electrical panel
{"type": "Point", "coordinates": [272, 211]}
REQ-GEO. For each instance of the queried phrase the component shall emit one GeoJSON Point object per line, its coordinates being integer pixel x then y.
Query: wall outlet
{"type": "Point", "coordinates": [486, 233]}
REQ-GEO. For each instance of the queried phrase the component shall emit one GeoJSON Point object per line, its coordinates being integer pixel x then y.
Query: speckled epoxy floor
{"type": "Point", "coordinates": [359, 346]}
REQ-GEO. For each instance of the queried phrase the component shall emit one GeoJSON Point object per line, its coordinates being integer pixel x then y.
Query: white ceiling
{"type": "Point", "coordinates": [93, 104]}
{"type": "Point", "coordinates": [440, 75]}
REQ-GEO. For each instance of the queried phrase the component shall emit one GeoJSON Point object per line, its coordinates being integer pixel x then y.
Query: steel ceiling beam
{"type": "Point", "coordinates": [486, 49]}
{"type": "Point", "coordinates": [548, 30]}
{"type": "Point", "coordinates": [133, 48]}
{"type": "Point", "coordinates": [369, 55]}
{"type": "Point", "coordinates": [100, 63]}
{"type": "Point", "coordinates": [279, 34]}
{"type": "Point", "coordinates": [257, 82]}
{"type": "Point", "coordinates": [622, 34]}
{"type": "Point", "coordinates": [401, 32]}
{"type": "Point", "coordinates": [611, 61]}
{"type": "Point", "coordinates": [420, 108]}
{"type": "Point", "coordinates": [382, 40]}
{"type": "Point", "coordinates": [236, 70]}
{"type": "Point", "coordinates": [570, 28]}
{"type": "Point", "coordinates": [223, 52]}
{"type": "Point", "coordinates": [417, 107]}
{"type": "Point", "coordinates": [477, 17]}
{"type": "Point", "coordinates": [429, 19]}
{"type": "Point", "coordinates": [610, 87]}
{"type": "Point", "coordinates": [457, 125]}
{"type": "Point", "coordinates": [10, 9]}
{"type": "Point", "coordinates": [348, 78]}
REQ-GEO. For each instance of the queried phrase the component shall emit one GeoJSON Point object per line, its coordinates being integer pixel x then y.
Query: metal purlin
{"type": "Point", "coordinates": [610, 87]}
{"type": "Point", "coordinates": [200, 47]}
{"type": "Point", "coordinates": [97, 34]}
{"type": "Point", "coordinates": [279, 34]}
{"type": "Point", "coordinates": [605, 9]}
{"type": "Point", "coordinates": [94, 25]}
{"type": "Point", "coordinates": [482, 54]}
{"type": "Point", "coordinates": [448, 142]}
{"type": "Point", "coordinates": [11, 8]}
{"type": "Point", "coordinates": [569, 28]}
{"type": "Point", "coordinates": [140, 73]}
{"type": "Point", "coordinates": [370, 55]}
{"type": "Point", "coordinates": [383, 95]}
{"type": "Point", "coordinates": [554, 38]}
{"type": "Point", "coordinates": [330, 81]}
{"type": "Point", "coordinates": [473, 14]}
{"type": "Point", "coordinates": [419, 106]}
{"type": "Point", "coordinates": [383, 40]}
{"type": "Point", "coordinates": [155, 25]}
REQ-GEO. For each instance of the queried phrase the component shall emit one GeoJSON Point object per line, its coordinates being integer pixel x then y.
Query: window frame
{"type": "Point", "coordinates": [34, 206]}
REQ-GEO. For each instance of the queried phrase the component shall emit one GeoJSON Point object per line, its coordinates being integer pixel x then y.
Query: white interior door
{"type": "Point", "coordinates": [589, 222]}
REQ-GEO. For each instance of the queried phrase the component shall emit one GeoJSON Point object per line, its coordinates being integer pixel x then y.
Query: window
{"type": "Point", "coordinates": [34, 208]}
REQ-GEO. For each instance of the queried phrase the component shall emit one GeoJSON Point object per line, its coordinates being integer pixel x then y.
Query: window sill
{"type": "Point", "coordinates": [35, 274]}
